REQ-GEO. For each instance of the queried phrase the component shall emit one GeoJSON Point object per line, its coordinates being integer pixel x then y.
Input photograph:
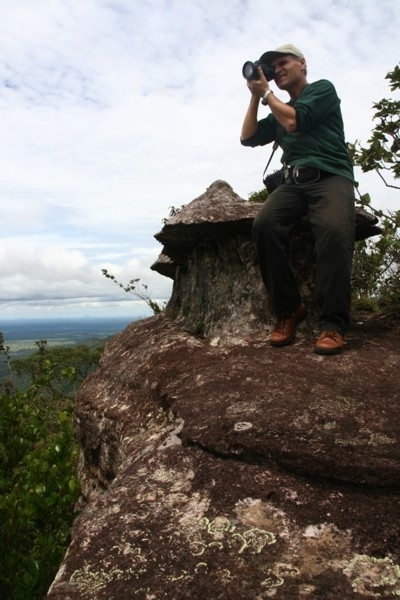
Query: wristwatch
{"type": "Point", "coordinates": [265, 97]}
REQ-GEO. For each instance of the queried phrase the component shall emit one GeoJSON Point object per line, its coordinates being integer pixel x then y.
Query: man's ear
{"type": "Point", "coordinates": [303, 65]}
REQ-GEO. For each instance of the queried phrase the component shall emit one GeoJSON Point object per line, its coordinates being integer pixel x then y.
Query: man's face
{"type": "Point", "coordinates": [289, 70]}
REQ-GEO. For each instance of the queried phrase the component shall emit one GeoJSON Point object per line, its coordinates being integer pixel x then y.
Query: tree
{"type": "Point", "coordinates": [57, 371]}
{"type": "Point", "coordinates": [140, 291]}
{"type": "Point", "coordinates": [377, 262]}
{"type": "Point", "coordinates": [382, 152]}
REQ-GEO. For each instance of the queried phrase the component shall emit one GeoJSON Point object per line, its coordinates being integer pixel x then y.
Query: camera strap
{"type": "Point", "coordinates": [274, 148]}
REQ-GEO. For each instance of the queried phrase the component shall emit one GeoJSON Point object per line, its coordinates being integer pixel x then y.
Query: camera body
{"type": "Point", "coordinates": [249, 70]}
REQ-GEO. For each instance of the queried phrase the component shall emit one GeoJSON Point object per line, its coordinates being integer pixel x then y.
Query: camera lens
{"type": "Point", "coordinates": [249, 70]}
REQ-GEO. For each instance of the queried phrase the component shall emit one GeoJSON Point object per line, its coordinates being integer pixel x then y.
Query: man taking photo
{"type": "Point", "coordinates": [317, 183]}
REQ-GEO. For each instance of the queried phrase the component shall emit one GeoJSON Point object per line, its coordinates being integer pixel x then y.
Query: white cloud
{"type": "Point", "coordinates": [113, 111]}
{"type": "Point", "coordinates": [46, 280]}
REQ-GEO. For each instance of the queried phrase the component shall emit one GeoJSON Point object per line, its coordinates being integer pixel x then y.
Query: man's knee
{"type": "Point", "coordinates": [264, 221]}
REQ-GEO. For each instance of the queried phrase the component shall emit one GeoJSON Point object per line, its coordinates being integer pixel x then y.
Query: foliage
{"type": "Point", "coordinates": [376, 272]}
{"type": "Point", "coordinates": [382, 153]}
{"type": "Point", "coordinates": [376, 269]}
{"type": "Point", "coordinates": [173, 210]}
{"type": "Point", "coordinates": [38, 484]}
{"type": "Point", "coordinates": [57, 371]}
{"type": "Point", "coordinates": [140, 291]}
{"type": "Point", "coordinates": [259, 196]}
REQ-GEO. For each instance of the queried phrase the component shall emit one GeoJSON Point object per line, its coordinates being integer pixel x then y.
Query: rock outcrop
{"type": "Point", "coordinates": [216, 467]}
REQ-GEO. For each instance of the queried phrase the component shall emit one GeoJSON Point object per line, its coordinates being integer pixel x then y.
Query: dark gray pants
{"type": "Point", "coordinates": [329, 206]}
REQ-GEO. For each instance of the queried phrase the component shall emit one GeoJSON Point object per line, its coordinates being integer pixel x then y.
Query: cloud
{"type": "Point", "coordinates": [47, 279]}
{"type": "Point", "coordinates": [113, 111]}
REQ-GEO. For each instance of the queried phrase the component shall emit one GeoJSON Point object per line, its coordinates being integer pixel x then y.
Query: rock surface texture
{"type": "Point", "coordinates": [216, 467]}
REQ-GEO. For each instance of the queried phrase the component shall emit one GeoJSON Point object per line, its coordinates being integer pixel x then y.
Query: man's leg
{"type": "Point", "coordinates": [271, 230]}
{"type": "Point", "coordinates": [331, 213]}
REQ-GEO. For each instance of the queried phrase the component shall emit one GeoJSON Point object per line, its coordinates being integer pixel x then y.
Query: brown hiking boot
{"type": "Point", "coordinates": [329, 342]}
{"type": "Point", "coordinates": [284, 330]}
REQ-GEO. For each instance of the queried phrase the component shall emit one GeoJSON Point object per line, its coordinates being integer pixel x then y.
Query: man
{"type": "Point", "coordinates": [318, 183]}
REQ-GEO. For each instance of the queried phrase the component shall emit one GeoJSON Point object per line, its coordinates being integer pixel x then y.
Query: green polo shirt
{"type": "Point", "coordinates": [319, 140]}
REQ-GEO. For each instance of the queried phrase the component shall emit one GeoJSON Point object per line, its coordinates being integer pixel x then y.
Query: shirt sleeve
{"type": "Point", "coordinates": [317, 102]}
{"type": "Point", "coordinates": [266, 133]}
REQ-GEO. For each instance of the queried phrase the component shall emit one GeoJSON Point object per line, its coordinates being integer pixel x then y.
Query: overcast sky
{"type": "Point", "coordinates": [112, 111]}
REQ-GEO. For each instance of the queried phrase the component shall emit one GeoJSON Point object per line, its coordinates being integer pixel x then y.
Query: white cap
{"type": "Point", "coordinates": [281, 51]}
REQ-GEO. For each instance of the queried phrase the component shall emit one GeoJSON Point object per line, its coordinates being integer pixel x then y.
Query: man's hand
{"type": "Point", "coordinates": [258, 87]}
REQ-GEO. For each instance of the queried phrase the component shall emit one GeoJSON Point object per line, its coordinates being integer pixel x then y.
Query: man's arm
{"type": "Point", "coordinates": [283, 113]}
{"type": "Point", "coordinates": [250, 123]}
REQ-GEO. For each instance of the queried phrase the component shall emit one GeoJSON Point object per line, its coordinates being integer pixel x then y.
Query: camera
{"type": "Point", "coordinates": [249, 70]}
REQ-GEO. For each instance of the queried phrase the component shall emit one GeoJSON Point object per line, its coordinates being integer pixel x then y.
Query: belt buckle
{"type": "Point", "coordinates": [287, 174]}
{"type": "Point", "coordinates": [297, 174]}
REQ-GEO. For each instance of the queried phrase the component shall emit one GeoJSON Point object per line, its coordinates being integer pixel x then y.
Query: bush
{"type": "Point", "coordinates": [376, 271]}
{"type": "Point", "coordinates": [38, 489]}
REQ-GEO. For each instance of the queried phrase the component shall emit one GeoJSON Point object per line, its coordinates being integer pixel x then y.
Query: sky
{"type": "Point", "coordinates": [114, 111]}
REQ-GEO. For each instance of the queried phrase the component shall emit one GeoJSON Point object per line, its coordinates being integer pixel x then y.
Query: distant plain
{"type": "Point", "coordinates": [20, 335]}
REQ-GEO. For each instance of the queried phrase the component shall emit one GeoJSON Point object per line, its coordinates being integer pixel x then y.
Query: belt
{"type": "Point", "coordinates": [301, 175]}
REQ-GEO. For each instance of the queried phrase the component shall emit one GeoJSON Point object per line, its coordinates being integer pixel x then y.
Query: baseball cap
{"type": "Point", "coordinates": [282, 50]}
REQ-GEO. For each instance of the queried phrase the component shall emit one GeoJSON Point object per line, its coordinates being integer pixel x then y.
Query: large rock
{"type": "Point", "coordinates": [209, 253]}
{"type": "Point", "coordinates": [214, 466]}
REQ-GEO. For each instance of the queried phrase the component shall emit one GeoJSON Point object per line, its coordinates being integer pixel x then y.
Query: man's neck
{"type": "Point", "coordinates": [296, 90]}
